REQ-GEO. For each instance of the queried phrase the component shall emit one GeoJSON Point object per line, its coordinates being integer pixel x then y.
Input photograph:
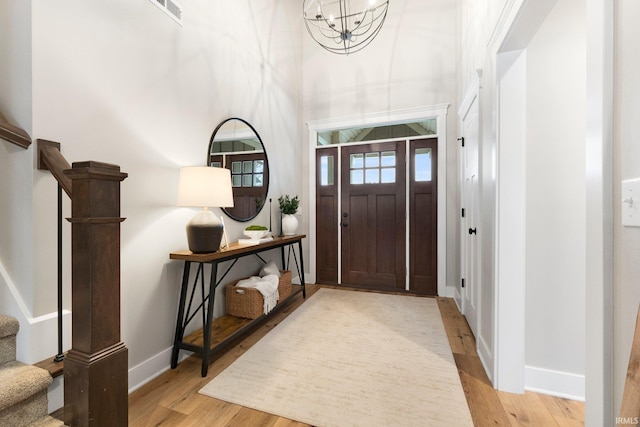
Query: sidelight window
{"type": "Point", "coordinates": [326, 170]}
{"type": "Point", "coordinates": [423, 165]}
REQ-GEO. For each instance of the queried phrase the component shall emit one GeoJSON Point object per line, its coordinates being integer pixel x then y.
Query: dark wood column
{"type": "Point", "coordinates": [95, 369]}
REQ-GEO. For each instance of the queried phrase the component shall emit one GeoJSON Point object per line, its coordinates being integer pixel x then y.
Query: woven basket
{"type": "Point", "coordinates": [248, 302]}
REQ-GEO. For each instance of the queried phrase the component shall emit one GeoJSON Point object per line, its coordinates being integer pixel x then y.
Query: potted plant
{"type": "Point", "coordinates": [289, 207]}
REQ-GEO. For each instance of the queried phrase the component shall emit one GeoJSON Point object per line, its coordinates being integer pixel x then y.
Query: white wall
{"type": "Point", "coordinates": [16, 164]}
{"type": "Point", "coordinates": [479, 20]}
{"type": "Point", "coordinates": [509, 26]}
{"type": "Point", "coordinates": [120, 82]}
{"type": "Point", "coordinates": [555, 203]}
{"type": "Point", "coordinates": [626, 166]}
{"type": "Point", "coordinates": [411, 63]}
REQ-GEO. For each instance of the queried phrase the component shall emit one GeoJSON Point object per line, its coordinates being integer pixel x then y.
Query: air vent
{"type": "Point", "coordinates": [171, 8]}
{"type": "Point", "coordinates": [174, 9]}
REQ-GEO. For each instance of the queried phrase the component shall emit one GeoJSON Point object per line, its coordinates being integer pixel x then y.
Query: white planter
{"type": "Point", "coordinates": [289, 224]}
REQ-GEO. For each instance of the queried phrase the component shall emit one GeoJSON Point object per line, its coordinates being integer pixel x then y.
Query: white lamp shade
{"type": "Point", "coordinates": [204, 186]}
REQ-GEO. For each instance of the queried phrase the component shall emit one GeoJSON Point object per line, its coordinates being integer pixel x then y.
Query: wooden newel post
{"type": "Point", "coordinates": [95, 369]}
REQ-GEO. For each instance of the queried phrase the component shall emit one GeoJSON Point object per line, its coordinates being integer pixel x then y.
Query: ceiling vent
{"type": "Point", "coordinates": [171, 8]}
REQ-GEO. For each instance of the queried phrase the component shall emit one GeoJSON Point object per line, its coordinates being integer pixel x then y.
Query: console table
{"type": "Point", "coordinates": [202, 341]}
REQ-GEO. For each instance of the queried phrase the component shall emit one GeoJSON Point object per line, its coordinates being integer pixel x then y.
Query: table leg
{"type": "Point", "coordinates": [304, 289]}
{"type": "Point", "coordinates": [179, 327]}
{"type": "Point", "coordinates": [284, 264]}
{"type": "Point", "coordinates": [209, 319]}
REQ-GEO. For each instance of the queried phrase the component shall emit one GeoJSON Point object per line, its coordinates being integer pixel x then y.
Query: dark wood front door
{"type": "Point", "coordinates": [373, 217]}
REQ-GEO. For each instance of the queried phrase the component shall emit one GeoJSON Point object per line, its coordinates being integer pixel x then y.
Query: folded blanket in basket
{"type": "Point", "coordinates": [267, 286]}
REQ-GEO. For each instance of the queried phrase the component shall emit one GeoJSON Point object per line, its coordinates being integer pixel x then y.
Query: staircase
{"type": "Point", "coordinates": [23, 390]}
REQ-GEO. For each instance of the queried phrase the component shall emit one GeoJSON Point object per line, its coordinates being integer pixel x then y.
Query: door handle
{"type": "Point", "coordinates": [472, 230]}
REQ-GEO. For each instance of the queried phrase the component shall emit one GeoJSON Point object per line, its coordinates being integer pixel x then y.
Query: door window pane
{"type": "Point", "coordinates": [236, 167]}
{"type": "Point", "coordinates": [258, 180]}
{"type": "Point", "coordinates": [258, 166]}
{"type": "Point", "coordinates": [389, 158]}
{"type": "Point", "coordinates": [372, 176]}
{"type": "Point", "coordinates": [247, 166]}
{"type": "Point", "coordinates": [247, 180]}
{"type": "Point", "coordinates": [388, 175]}
{"type": "Point", "coordinates": [423, 164]}
{"type": "Point", "coordinates": [373, 168]}
{"type": "Point", "coordinates": [236, 180]}
{"type": "Point", "coordinates": [357, 176]}
{"type": "Point", "coordinates": [326, 170]}
{"type": "Point", "coordinates": [357, 161]}
{"type": "Point", "coordinates": [372, 160]}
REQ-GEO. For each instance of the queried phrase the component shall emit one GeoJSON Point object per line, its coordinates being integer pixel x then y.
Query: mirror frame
{"type": "Point", "coordinates": [266, 162]}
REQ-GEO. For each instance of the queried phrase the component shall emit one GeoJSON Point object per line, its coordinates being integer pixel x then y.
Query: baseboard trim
{"type": "Point", "coordinates": [454, 292]}
{"type": "Point", "coordinates": [151, 368]}
{"type": "Point", "coordinates": [555, 383]}
{"type": "Point", "coordinates": [486, 358]}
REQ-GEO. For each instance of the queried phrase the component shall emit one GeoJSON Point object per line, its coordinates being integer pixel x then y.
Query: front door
{"type": "Point", "coordinates": [373, 215]}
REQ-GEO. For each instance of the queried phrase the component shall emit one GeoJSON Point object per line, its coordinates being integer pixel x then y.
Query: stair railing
{"type": "Point", "coordinates": [49, 152]}
{"type": "Point", "coordinates": [60, 355]}
{"type": "Point", "coordinates": [95, 368]}
{"type": "Point", "coordinates": [13, 134]}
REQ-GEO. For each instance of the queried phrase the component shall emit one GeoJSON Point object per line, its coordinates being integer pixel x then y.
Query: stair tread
{"type": "Point", "coordinates": [8, 325]}
{"type": "Point", "coordinates": [19, 381]}
{"type": "Point", "coordinates": [47, 421]}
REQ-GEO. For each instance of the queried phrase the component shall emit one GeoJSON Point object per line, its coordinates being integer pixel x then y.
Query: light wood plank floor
{"type": "Point", "coordinates": [172, 399]}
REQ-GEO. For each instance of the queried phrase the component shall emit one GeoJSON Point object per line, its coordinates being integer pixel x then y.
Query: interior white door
{"type": "Point", "coordinates": [469, 222]}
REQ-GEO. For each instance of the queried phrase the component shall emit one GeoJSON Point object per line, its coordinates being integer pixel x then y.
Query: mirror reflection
{"type": "Point", "coordinates": [236, 145]}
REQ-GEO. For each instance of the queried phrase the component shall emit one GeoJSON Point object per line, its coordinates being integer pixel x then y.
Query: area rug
{"type": "Point", "coordinates": [347, 358]}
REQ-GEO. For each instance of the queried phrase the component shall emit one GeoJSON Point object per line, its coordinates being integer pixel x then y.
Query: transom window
{"type": "Point", "coordinates": [360, 134]}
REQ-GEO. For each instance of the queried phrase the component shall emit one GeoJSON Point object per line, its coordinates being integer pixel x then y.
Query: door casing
{"type": "Point", "coordinates": [439, 112]}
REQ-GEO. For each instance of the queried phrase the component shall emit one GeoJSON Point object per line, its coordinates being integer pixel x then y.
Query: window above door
{"type": "Point", "coordinates": [359, 134]}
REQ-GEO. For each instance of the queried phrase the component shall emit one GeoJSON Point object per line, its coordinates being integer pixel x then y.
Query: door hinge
{"type": "Point", "coordinates": [462, 212]}
{"type": "Point", "coordinates": [462, 283]}
{"type": "Point", "coordinates": [461, 139]}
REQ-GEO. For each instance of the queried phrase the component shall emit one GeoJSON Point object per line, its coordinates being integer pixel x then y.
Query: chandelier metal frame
{"type": "Point", "coordinates": [335, 26]}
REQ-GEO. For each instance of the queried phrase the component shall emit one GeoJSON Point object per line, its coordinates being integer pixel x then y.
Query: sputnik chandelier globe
{"type": "Point", "coordinates": [344, 26]}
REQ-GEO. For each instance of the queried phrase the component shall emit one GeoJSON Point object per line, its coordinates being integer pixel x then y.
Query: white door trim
{"type": "Point", "coordinates": [599, 243]}
{"type": "Point", "coordinates": [518, 24]}
{"type": "Point", "coordinates": [510, 260]}
{"type": "Point", "coordinates": [439, 112]}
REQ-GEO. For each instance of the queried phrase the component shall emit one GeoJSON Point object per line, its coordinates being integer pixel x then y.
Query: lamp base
{"type": "Point", "coordinates": [204, 233]}
{"type": "Point", "coordinates": [204, 239]}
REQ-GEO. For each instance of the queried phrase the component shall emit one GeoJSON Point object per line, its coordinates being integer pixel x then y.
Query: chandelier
{"type": "Point", "coordinates": [344, 26]}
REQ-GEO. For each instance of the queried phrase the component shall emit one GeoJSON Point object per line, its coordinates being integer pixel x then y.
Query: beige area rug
{"type": "Point", "coordinates": [347, 358]}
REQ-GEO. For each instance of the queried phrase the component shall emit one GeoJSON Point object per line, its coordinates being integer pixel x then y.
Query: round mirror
{"type": "Point", "coordinates": [236, 145]}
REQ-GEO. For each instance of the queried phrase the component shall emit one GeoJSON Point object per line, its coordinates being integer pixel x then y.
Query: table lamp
{"type": "Point", "coordinates": [206, 187]}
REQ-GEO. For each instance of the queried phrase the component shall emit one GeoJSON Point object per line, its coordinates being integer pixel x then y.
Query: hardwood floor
{"type": "Point", "coordinates": [172, 399]}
